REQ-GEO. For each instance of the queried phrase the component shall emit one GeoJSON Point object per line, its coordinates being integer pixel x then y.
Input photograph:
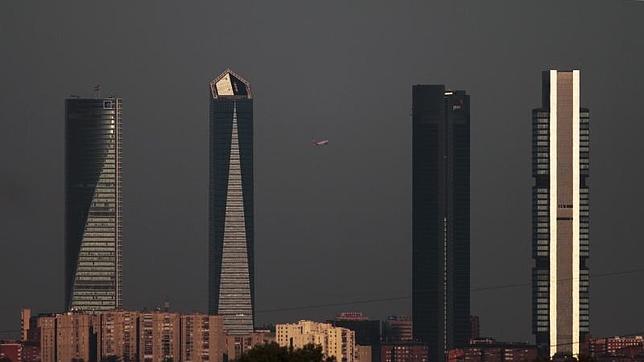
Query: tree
{"type": "Point", "coordinates": [310, 352]}
{"type": "Point", "coordinates": [272, 352]}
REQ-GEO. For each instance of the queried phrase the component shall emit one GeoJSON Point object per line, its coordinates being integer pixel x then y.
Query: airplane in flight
{"type": "Point", "coordinates": [320, 142]}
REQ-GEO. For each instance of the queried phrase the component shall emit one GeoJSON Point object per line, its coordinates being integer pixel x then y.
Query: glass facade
{"type": "Point", "coordinates": [231, 272]}
{"type": "Point", "coordinates": [93, 204]}
{"type": "Point", "coordinates": [441, 218]}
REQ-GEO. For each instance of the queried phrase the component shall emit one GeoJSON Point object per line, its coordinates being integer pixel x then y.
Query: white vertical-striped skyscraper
{"type": "Point", "coordinates": [231, 271]}
{"type": "Point", "coordinates": [560, 215]}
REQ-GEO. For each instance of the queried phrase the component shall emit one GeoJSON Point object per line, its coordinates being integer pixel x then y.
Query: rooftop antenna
{"type": "Point", "coordinates": [97, 90]}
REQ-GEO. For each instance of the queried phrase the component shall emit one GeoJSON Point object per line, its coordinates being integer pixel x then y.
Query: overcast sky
{"type": "Point", "coordinates": [332, 223]}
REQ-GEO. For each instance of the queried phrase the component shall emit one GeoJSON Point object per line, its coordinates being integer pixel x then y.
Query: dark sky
{"type": "Point", "coordinates": [332, 224]}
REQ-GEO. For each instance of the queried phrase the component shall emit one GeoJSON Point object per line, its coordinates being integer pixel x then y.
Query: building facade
{"type": "Point", "coordinates": [237, 345]}
{"type": "Point", "coordinates": [489, 350]}
{"type": "Point", "coordinates": [441, 218]}
{"type": "Point", "coordinates": [397, 329]}
{"type": "Point", "coordinates": [75, 337]}
{"type": "Point", "coordinates": [46, 326]}
{"type": "Point", "coordinates": [405, 352]}
{"type": "Point", "coordinates": [475, 327]}
{"type": "Point", "coordinates": [129, 336]}
{"type": "Point", "coordinates": [25, 323]}
{"type": "Point", "coordinates": [93, 204]}
{"type": "Point", "coordinates": [560, 215]}
{"type": "Point", "coordinates": [367, 332]}
{"type": "Point", "coordinates": [336, 342]}
{"type": "Point", "coordinates": [231, 226]}
{"type": "Point", "coordinates": [11, 351]}
{"type": "Point", "coordinates": [118, 335]}
{"type": "Point", "coordinates": [617, 346]}
{"type": "Point", "coordinates": [67, 337]}
{"type": "Point", "coordinates": [202, 338]}
{"type": "Point", "coordinates": [159, 335]}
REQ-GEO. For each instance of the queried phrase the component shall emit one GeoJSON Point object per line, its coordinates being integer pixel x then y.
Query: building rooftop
{"type": "Point", "coordinates": [230, 84]}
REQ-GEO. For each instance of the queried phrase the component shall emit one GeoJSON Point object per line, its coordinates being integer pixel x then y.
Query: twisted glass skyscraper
{"type": "Point", "coordinates": [231, 272]}
{"type": "Point", "coordinates": [93, 200]}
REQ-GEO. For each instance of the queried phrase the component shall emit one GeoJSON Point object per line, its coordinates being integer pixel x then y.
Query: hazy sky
{"type": "Point", "coordinates": [332, 223]}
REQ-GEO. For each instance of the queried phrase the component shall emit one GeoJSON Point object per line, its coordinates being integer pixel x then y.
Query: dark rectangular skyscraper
{"type": "Point", "coordinates": [231, 271]}
{"type": "Point", "coordinates": [441, 218]}
{"type": "Point", "coordinates": [93, 200]}
{"type": "Point", "coordinates": [560, 215]}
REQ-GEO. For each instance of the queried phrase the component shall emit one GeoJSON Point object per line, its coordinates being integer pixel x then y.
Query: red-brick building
{"type": "Point", "coordinates": [404, 352]}
{"type": "Point", "coordinates": [631, 347]}
{"type": "Point", "coordinates": [11, 350]}
{"type": "Point", "coordinates": [489, 350]}
{"type": "Point", "coordinates": [30, 351]}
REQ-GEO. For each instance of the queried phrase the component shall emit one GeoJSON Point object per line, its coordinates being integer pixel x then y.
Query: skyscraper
{"type": "Point", "coordinates": [441, 218]}
{"type": "Point", "coordinates": [560, 215]}
{"type": "Point", "coordinates": [93, 204]}
{"type": "Point", "coordinates": [231, 274]}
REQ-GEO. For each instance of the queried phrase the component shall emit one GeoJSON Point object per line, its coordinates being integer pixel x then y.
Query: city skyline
{"type": "Point", "coordinates": [306, 222]}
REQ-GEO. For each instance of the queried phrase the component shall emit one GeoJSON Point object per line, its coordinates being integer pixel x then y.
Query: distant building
{"type": "Point", "coordinates": [487, 349]}
{"type": "Point", "coordinates": [336, 342]}
{"type": "Point", "coordinates": [68, 337]}
{"type": "Point", "coordinates": [202, 338]}
{"type": "Point", "coordinates": [614, 347]}
{"type": "Point", "coordinates": [404, 352]}
{"type": "Point", "coordinates": [119, 335]}
{"type": "Point", "coordinates": [30, 351]}
{"type": "Point", "coordinates": [364, 354]}
{"type": "Point", "coordinates": [25, 323]}
{"type": "Point", "coordinates": [397, 329]}
{"type": "Point", "coordinates": [93, 204]}
{"type": "Point", "coordinates": [11, 350]}
{"type": "Point", "coordinates": [440, 218]}
{"type": "Point", "coordinates": [128, 336]}
{"type": "Point", "coordinates": [367, 332]}
{"type": "Point", "coordinates": [351, 316]}
{"type": "Point", "coordinates": [237, 345]}
{"type": "Point", "coordinates": [159, 336]}
{"type": "Point", "coordinates": [560, 216]}
{"type": "Point", "coordinates": [75, 337]}
{"type": "Point", "coordinates": [231, 211]}
{"type": "Point", "coordinates": [475, 327]}
{"type": "Point", "coordinates": [47, 338]}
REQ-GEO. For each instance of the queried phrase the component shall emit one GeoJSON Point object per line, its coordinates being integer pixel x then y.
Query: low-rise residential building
{"type": "Point", "coordinates": [367, 331]}
{"type": "Point", "coordinates": [236, 345]}
{"type": "Point", "coordinates": [11, 350]}
{"type": "Point", "coordinates": [336, 342]}
{"type": "Point", "coordinates": [617, 348]}
{"type": "Point", "coordinates": [488, 349]}
{"type": "Point", "coordinates": [404, 351]}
